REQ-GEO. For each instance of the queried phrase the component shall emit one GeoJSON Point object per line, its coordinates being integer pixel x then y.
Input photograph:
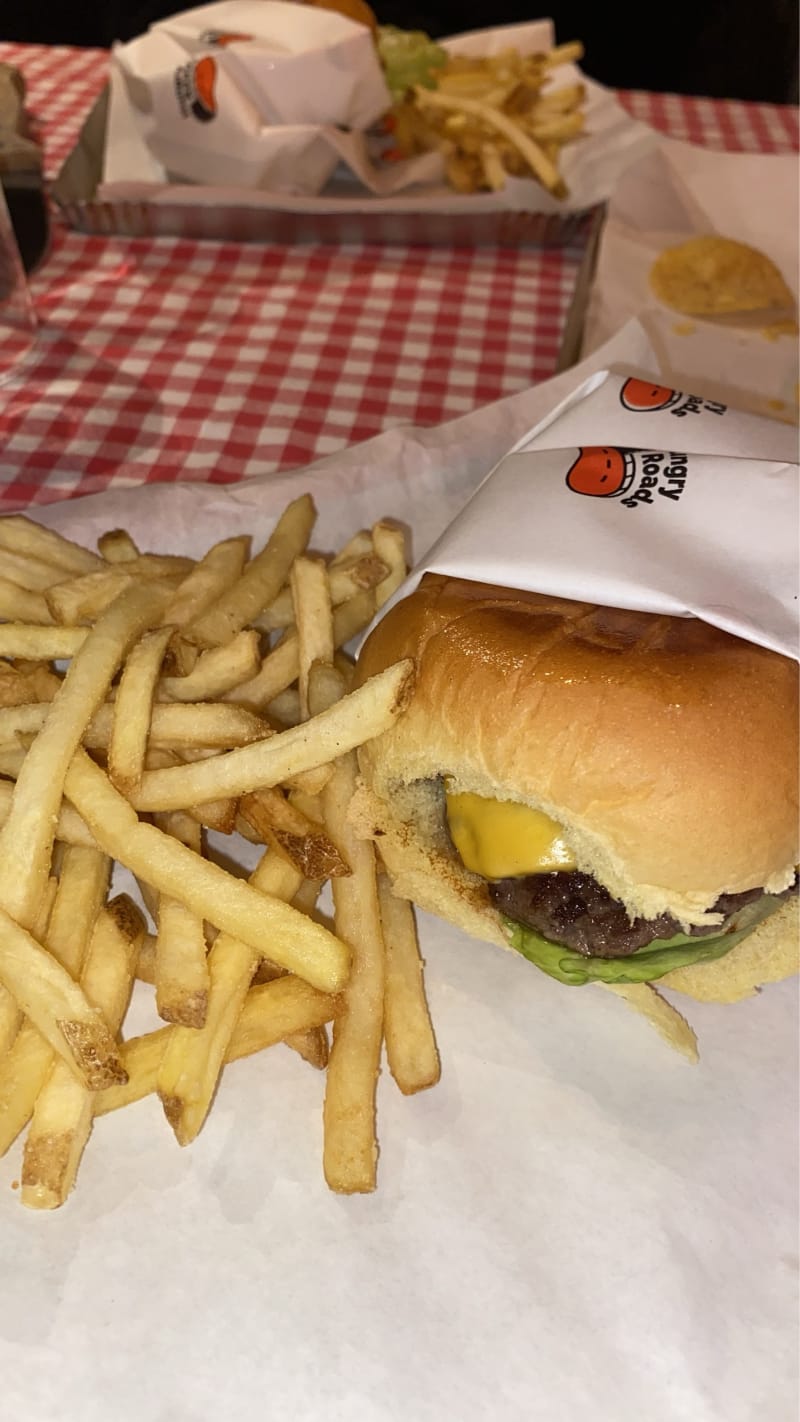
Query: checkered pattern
{"type": "Point", "coordinates": [175, 360]}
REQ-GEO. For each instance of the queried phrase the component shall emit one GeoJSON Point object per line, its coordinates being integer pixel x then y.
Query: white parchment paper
{"type": "Point", "coordinates": [680, 191]}
{"type": "Point", "coordinates": [575, 1226]}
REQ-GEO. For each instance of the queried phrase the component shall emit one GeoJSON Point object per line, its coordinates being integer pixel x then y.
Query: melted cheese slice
{"type": "Point", "coordinates": [500, 839]}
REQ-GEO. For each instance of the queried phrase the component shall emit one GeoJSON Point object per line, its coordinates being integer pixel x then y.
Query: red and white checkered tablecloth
{"type": "Point", "coordinates": [176, 360]}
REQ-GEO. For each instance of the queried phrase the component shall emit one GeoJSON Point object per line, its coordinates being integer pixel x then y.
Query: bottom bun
{"type": "Point", "coordinates": [434, 880]}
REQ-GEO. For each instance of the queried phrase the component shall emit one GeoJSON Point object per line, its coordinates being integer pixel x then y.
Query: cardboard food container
{"type": "Point", "coordinates": [110, 184]}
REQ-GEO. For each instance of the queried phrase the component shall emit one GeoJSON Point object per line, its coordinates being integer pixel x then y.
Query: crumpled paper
{"type": "Point", "coordinates": [147, 155]}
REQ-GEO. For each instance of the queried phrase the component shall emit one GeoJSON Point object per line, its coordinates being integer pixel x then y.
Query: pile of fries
{"type": "Point", "coordinates": [193, 696]}
{"type": "Point", "coordinates": [493, 117]}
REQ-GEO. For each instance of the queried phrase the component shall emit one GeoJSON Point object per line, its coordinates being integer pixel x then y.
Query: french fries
{"type": "Point", "coordinates": [350, 1154]}
{"type": "Point", "coordinates": [175, 712]}
{"type": "Point", "coordinates": [494, 117]}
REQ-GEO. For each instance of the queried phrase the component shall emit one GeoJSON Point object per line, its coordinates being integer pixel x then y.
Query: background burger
{"type": "Point", "coordinates": [611, 793]}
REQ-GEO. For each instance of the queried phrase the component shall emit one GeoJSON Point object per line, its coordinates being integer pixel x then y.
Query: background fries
{"type": "Point", "coordinates": [494, 117]}
{"type": "Point", "coordinates": [210, 693]}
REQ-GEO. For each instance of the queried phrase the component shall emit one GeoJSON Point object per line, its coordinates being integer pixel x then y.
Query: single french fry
{"type": "Point", "coordinates": [26, 838]}
{"type": "Point", "coordinates": [117, 546]}
{"type": "Point", "coordinates": [22, 682]}
{"type": "Point", "coordinates": [35, 574]}
{"type": "Point", "coordinates": [10, 1016]}
{"type": "Point", "coordinates": [57, 1006]}
{"type": "Point", "coordinates": [70, 828]}
{"type": "Point", "coordinates": [220, 814]}
{"type": "Point", "coordinates": [278, 670]}
{"type": "Point", "coordinates": [345, 579]}
{"type": "Point", "coordinates": [79, 896]}
{"type": "Point", "coordinates": [284, 709]}
{"type": "Point", "coordinates": [29, 539]}
{"type": "Point", "coordinates": [266, 925]}
{"type": "Point", "coordinates": [146, 961]}
{"type": "Point", "coordinates": [571, 53]}
{"type": "Point", "coordinates": [660, 1013]}
{"type": "Point", "coordinates": [355, 547]}
{"type": "Point", "coordinates": [410, 1043]}
{"type": "Point", "coordinates": [21, 604]}
{"type": "Point", "coordinates": [358, 717]}
{"type": "Point", "coordinates": [133, 708]}
{"type": "Point", "coordinates": [190, 1067]}
{"type": "Point", "coordinates": [261, 580]}
{"type": "Point", "coordinates": [350, 1151]}
{"type": "Point", "coordinates": [24, 1069]}
{"type": "Point", "coordinates": [201, 725]}
{"type": "Point", "coordinates": [217, 571]}
{"type": "Point", "coordinates": [22, 639]}
{"type": "Point", "coordinates": [216, 671]}
{"type": "Point", "coordinates": [270, 1013]}
{"type": "Point", "coordinates": [151, 567]}
{"type": "Point", "coordinates": [311, 599]}
{"type": "Point", "coordinates": [62, 1116]}
{"type": "Point", "coordinates": [390, 546]}
{"type": "Point", "coordinates": [286, 829]}
{"type": "Point", "coordinates": [181, 970]}
{"type": "Point", "coordinates": [84, 598]}
{"type": "Point", "coordinates": [180, 657]}
{"type": "Point", "coordinates": [310, 1043]}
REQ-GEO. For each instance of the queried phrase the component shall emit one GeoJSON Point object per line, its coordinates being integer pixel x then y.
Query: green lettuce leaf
{"type": "Point", "coordinates": [409, 57]}
{"type": "Point", "coordinates": [646, 964]}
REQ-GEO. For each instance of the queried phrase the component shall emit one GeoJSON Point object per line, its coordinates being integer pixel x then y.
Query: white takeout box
{"type": "Point", "coordinates": [633, 494]}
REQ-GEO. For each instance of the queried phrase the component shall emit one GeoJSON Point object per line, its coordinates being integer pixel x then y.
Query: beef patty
{"type": "Point", "coordinates": [573, 909]}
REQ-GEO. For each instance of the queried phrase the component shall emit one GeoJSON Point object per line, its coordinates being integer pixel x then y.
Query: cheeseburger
{"type": "Point", "coordinates": [611, 793]}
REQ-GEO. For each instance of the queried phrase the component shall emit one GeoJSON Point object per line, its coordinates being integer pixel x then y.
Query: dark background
{"type": "Point", "coordinates": [722, 48]}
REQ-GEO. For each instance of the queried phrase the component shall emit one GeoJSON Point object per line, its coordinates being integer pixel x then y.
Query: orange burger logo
{"type": "Point", "coordinates": [635, 476]}
{"type": "Point", "coordinates": [220, 38]}
{"type": "Point", "coordinates": [195, 89]}
{"type": "Point", "coordinates": [644, 396]}
{"type": "Point", "coordinates": [601, 472]}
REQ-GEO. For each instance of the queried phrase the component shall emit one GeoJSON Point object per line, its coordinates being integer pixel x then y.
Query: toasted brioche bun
{"type": "Point", "coordinates": [666, 750]}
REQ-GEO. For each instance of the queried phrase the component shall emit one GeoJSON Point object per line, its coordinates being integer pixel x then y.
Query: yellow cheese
{"type": "Point", "coordinates": [500, 839]}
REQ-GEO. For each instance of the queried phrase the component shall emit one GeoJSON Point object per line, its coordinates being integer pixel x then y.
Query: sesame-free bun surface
{"type": "Point", "coordinates": [666, 749]}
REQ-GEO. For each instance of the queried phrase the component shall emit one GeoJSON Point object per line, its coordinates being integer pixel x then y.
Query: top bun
{"type": "Point", "coordinates": [666, 749]}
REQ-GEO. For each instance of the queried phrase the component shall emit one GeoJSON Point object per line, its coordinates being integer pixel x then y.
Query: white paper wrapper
{"type": "Point", "coordinates": [586, 507]}
{"type": "Point", "coordinates": [151, 146]}
{"type": "Point", "coordinates": [682, 191]}
{"type": "Point", "coordinates": [575, 1224]}
{"type": "Point", "coordinates": [240, 93]}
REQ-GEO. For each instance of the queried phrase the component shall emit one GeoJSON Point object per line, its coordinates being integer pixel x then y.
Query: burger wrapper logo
{"type": "Point", "coordinates": [643, 396]}
{"type": "Point", "coordinates": [195, 86]}
{"type": "Point", "coordinates": [639, 475]}
{"type": "Point", "coordinates": [595, 504]}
